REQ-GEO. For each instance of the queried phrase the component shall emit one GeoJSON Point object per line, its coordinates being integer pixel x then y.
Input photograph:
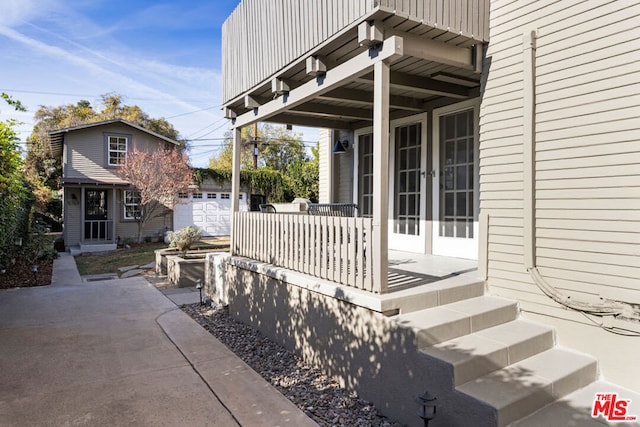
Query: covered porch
{"type": "Point", "coordinates": [384, 83]}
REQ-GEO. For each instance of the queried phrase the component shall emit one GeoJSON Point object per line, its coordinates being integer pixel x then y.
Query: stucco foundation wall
{"type": "Point", "coordinates": [361, 349]}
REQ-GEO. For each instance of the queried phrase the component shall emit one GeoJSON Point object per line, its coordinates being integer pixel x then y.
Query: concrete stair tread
{"type": "Point", "coordinates": [491, 349]}
{"type": "Point", "coordinates": [522, 388]}
{"type": "Point", "coordinates": [575, 408]}
{"type": "Point", "coordinates": [442, 323]}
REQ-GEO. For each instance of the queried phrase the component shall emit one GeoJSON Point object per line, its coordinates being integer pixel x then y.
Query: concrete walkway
{"type": "Point", "coordinates": [118, 352]}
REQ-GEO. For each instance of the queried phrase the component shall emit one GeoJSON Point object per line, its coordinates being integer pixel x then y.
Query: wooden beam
{"type": "Point", "coordinates": [423, 85]}
{"type": "Point", "coordinates": [307, 121]}
{"type": "Point", "coordinates": [363, 97]}
{"type": "Point", "coordinates": [229, 113]}
{"type": "Point", "coordinates": [443, 53]}
{"type": "Point", "coordinates": [343, 73]}
{"type": "Point", "coordinates": [250, 102]}
{"type": "Point", "coordinates": [316, 66]}
{"type": "Point", "coordinates": [235, 183]}
{"type": "Point", "coordinates": [380, 236]}
{"type": "Point", "coordinates": [279, 86]}
{"type": "Point", "coordinates": [324, 110]}
{"type": "Point", "coordinates": [370, 33]}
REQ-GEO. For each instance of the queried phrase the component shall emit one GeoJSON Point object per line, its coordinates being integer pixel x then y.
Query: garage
{"type": "Point", "coordinates": [209, 211]}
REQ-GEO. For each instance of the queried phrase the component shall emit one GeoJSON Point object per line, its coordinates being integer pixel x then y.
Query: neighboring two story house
{"type": "Point", "coordinates": [99, 207]}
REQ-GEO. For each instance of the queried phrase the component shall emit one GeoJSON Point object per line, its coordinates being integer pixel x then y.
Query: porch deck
{"type": "Point", "coordinates": [416, 282]}
{"type": "Point", "coordinates": [408, 270]}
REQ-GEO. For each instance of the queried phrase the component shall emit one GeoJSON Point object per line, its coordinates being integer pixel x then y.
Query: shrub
{"type": "Point", "coordinates": [184, 238]}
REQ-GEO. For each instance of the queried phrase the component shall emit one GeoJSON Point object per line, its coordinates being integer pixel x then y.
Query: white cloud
{"type": "Point", "coordinates": [17, 12]}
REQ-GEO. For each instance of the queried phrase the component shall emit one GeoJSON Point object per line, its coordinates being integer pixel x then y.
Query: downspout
{"type": "Point", "coordinates": [604, 308]}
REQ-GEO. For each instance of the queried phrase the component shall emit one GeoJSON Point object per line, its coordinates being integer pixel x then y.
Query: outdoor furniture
{"type": "Point", "coordinates": [333, 209]}
{"type": "Point", "coordinates": [267, 208]}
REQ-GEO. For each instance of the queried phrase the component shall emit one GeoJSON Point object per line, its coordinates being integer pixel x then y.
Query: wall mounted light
{"type": "Point", "coordinates": [340, 146]}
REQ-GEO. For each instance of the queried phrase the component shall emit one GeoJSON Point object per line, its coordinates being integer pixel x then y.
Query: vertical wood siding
{"type": "Point", "coordinates": [260, 37]}
{"type": "Point", "coordinates": [587, 165]}
{"type": "Point", "coordinates": [325, 181]}
{"type": "Point", "coordinates": [466, 17]}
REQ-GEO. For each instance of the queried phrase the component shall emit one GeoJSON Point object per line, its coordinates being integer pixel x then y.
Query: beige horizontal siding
{"type": "Point", "coordinates": [86, 150]}
{"type": "Point", "coordinates": [325, 181]}
{"type": "Point", "coordinates": [587, 150]}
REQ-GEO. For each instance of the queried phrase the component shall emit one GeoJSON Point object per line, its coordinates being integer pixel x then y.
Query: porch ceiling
{"type": "Point", "coordinates": [420, 80]}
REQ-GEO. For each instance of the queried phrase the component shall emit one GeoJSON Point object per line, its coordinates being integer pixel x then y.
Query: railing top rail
{"type": "Point", "coordinates": [333, 209]}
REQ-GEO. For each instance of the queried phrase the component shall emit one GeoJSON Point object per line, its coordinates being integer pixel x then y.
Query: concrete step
{"type": "Point", "coordinates": [575, 409]}
{"type": "Point", "coordinates": [441, 292]}
{"type": "Point", "coordinates": [482, 352]}
{"type": "Point", "coordinates": [438, 324]}
{"type": "Point", "coordinates": [524, 387]}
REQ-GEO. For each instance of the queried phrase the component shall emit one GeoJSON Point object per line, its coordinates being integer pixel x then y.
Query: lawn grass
{"type": "Point", "coordinates": [105, 263]}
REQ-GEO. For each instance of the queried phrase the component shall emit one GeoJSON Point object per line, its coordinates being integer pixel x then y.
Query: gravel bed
{"type": "Point", "coordinates": [320, 397]}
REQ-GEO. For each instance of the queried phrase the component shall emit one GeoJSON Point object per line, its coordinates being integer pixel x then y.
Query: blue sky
{"type": "Point", "coordinates": [164, 56]}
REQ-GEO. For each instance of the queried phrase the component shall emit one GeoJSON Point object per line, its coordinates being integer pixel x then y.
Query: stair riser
{"type": "Point", "coordinates": [560, 388]}
{"type": "Point", "coordinates": [465, 326]}
{"type": "Point", "coordinates": [484, 364]}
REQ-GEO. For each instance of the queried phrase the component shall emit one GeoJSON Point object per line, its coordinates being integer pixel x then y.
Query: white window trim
{"type": "Point", "coordinates": [109, 150]}
{"type": "Point", "coordinates": [125, 205]}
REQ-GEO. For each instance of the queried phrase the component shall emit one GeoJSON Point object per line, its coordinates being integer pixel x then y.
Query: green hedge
{"type": "Point", "coordinates": [275, 186]}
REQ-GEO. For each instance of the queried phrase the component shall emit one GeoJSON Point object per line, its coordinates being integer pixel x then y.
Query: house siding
{"type": "Point", "coordinates": [129, 229]}
{"type": "Point", "coordinates": [343, 170]}
{"type": "Point", "coordinates": [324, 183]}
{"type": "Point", "coordinates": [85, 154]}
{"type": "Point", "coordinates": [587, 158]}
{"type": "Point", "coordinates": [72, 217]}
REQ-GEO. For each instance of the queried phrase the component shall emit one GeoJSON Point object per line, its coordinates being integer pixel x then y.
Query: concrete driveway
{"type": "Point", "coordinates": [118, 352]}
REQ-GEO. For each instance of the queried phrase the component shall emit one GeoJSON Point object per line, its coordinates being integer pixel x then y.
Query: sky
{"type": "Point", "coordinates": [164, 56]}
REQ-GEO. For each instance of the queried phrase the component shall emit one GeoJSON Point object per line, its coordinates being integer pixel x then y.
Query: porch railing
{"type": "Point", "coordinates": [98, 230]}
{"type": "Point", "coordinates": [333, 248]}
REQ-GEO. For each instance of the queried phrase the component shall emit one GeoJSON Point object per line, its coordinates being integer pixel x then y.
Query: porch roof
{"type": "Point", "coordinates": [332, 85]}
{"type": "Point", "coordinates": [89, 181]}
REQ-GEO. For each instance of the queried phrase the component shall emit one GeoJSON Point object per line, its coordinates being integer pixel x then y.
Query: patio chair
{"type": "Point", "coordinates": [267, 208]}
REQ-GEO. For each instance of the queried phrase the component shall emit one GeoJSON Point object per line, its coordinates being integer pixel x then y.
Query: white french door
{"type": "Point", "coordinates": [456, 181]}
{"type": "Point", "coordinates": [407, 222]}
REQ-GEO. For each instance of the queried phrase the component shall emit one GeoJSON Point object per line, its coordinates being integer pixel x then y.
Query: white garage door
{"type": "Point", "coordinates": [209, 211]}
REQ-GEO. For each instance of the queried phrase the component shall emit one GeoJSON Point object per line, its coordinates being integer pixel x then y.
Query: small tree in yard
{"type": "Point", "coordinates": [158, 177]}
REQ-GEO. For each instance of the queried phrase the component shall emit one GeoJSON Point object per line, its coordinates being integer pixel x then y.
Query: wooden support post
{"type": "Point", "coordinates": [381, 81]}
{"type": "Point", "coordinates": [235, 186]}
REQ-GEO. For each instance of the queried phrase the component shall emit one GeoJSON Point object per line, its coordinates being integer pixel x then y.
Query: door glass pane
{"type": "Point", "coordinates": [456, 164]}
{"type": "Point", "coordinates": [365, 175]}
{"type": "Point", "coordinates": [407, 179]}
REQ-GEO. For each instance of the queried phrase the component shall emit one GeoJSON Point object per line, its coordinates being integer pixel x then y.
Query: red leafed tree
{"type": "Point", "coordinates": [158, 177]}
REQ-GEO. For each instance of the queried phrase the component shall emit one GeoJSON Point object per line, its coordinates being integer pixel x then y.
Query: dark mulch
{"type": "Point", "coordinates": [21, 276]}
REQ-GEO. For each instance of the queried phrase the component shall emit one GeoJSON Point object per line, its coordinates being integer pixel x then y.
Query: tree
{"type": "Point", "coordinates": [15, 197]}
{"type": "Point", "coordinates": [277, 147]}
{"type": "Point", "coordinates": [158, 177]}
{"type": "Point", "coordinates": [305, 176]}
